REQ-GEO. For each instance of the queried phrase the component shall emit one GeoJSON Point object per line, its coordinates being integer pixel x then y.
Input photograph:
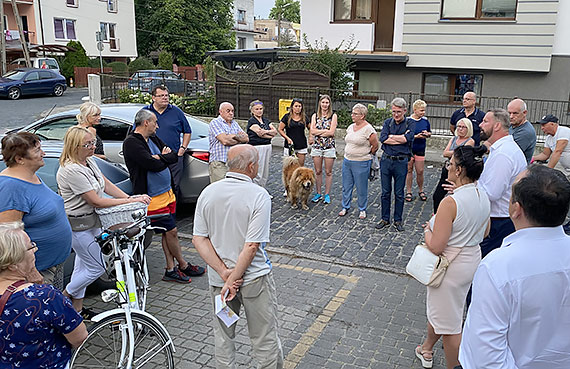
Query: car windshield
{"type": "Point", "coordinates": [14, 75]}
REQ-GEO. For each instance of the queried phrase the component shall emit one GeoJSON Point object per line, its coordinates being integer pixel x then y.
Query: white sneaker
{"type": "Point", "coordinates": [362, 214]}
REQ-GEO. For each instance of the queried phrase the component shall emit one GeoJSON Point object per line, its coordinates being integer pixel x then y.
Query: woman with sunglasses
{"type": "Point", "coordinates": [292, 128]}
{"type": "Point", "coordinates": [463, 133]}
{"type": "Point", "coordinates": [260, 132]}
{"type": "Point", "coordinates": [88, 117]}
{"type": "Point", "coordinates": [82, 186]}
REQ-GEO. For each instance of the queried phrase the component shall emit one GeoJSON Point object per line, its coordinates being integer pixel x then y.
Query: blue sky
{"type": "Point", "coordinates": [262, 8]}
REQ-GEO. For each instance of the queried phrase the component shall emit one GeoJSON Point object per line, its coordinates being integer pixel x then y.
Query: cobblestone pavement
{"type": "Point", "coordinates": [344, 300]}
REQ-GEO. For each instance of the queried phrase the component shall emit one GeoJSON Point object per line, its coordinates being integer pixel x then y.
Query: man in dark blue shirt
{"type": "Point", "coordinates": [172, 124]}
{"type": "Point", "coordinates": [469, 110]}
{"type": "Point", "coordinates": [396, 137]}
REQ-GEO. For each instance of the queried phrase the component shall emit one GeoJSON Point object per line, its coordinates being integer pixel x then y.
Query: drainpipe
{"type": "Point", "coordinates": [42, 27]}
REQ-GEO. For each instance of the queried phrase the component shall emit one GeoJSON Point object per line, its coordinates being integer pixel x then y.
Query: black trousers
{"type": "Point", "coordinates": [439, 192]}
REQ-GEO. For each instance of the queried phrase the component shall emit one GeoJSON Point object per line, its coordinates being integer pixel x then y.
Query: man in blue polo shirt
{"type": "Point", "coordinates": [469, 110]}
{"type": "Point", "coordinates": [396, 137]}
{"type": "Point", "coordinates": [172, 124]}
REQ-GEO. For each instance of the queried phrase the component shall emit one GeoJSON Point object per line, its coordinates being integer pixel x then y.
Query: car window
{"type": "Point", "coordinates": [52, 64]}
{"type": "Point", "coordinates": [171, 75]}
{"type": "Point", "coordinates": [46, 75]}
{"type": "Point", "coordinates": [32, 76]}
{"type": "Point", "coordinates": [112, 130]}
{"type": "Point", "coordinates": [142, 74]}
{"type": "Point", "coordinates": [15, 75]}
{"type": "Point", "coordinates": [199, 128]}
{"type": "Point", "coordinates": [48, 172]}
{"type": "Point", "coordinates": [55, 130]}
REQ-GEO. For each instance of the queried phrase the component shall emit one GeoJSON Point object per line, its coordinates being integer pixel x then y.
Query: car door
{"type": "Point", "coordinates": [113, 132]}
{"type": "Point", "coordinates": [54, 129]}
{"type": "Point", "coordinates": [31, 84]}
{"type": "Point", "coordinates": [47, 80]}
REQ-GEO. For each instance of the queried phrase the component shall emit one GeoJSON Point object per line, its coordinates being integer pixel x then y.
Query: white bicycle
{"type": "Point", "coordinates": [126, 337]}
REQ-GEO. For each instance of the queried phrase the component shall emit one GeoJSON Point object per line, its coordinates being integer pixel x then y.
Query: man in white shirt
{"type": "Point", "coordinates": [556, 148]}
{"type": "Point", "coordinates": [231, 228]}
{"type": "Point", "coordinates": [505, 162]}
{"type": "Point", "coordinates": [520, 315]}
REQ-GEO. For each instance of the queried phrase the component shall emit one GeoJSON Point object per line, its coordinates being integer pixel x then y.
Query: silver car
{"type": "Point", "coordinates": [116, 121]}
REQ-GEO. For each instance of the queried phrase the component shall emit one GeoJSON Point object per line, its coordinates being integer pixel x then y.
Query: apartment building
{"type": "Point", "coordinates": [244, 24]}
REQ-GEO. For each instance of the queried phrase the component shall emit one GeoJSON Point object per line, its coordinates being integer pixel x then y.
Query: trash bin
{"type": "Point", "coordinates": [284, 105]}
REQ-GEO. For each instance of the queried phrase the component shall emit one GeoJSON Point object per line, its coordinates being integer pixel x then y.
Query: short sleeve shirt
{"type": "Point", "coordinates": [254, 139]}
{"type": "Point", "coordinates": [357, 144]}
{"type": "Point", "coordinates": [323, 143]}
{"type": "Point", "coordinates": [219, 151]}
{"type": "Point", "coordinates": [172, 124]}
{"type": "Point", "coordinates": [33, 325]}
{"type": "Point", "coordinates": [562, 133]}
{"type": "Point", "coordinates": [476, 118]}
{"type": "Point", "coordinates": [419, 144]}
{"type": "Point", "coordinates": [296, 132]}
{"type": "Point", "coordinates": [73, 180]}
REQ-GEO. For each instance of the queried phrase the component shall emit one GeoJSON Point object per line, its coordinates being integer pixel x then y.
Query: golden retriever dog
{"type": "Point", "coordinates": [299, 182]}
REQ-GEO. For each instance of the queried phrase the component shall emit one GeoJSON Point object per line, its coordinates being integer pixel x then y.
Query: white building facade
{"type": "Point", "coordinates": [244, 27]}
{"type": "Point", "coordinates": [79, 20]}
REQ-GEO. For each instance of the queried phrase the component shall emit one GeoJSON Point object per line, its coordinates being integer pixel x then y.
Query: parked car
{"type": "Point", "coordinates": [146, 80]}
{"type": "Point", "coordinates": [116, 122]}
{"type": "Point", "coordinates": [50, 63]}
{"type": "Point", "coordinates": [32, 81]}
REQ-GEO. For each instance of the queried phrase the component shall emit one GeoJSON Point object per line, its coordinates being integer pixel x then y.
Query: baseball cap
{"type": "Point", "coordinates": [548, 118]}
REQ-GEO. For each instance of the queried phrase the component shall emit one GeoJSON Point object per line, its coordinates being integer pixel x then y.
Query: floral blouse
{"type": "Point", "coordinates": [323, 143]}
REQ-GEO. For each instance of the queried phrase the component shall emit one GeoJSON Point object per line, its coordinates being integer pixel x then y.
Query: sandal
{"type": "Point", "coordinates": [409, 197]}
{"type": "Point", "coordinates": [427, 362]}
{"type": "Point", "coordinates": [422, 196]}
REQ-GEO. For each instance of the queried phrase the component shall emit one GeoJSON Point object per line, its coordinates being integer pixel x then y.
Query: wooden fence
{"type": "Point", "coordinates": [80, 74]}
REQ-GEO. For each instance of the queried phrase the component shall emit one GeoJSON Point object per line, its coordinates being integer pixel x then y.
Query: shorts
{"type": "Point", "coordinates": [168, 222]}
{"type": "Point", "coordinates": [419, 155]}
{"type": "Point", "coordinates": [297, 151]}
{"type": "Point", "coordinates": [326, 153]}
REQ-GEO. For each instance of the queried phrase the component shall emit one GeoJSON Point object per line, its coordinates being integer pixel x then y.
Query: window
{"type": "Point", "coordinates": [241, 16]}
{"type": "Point", "coordinates": [64, 29]}
{"type": "Point", "coordinates": [73, 3]}
{"type": "Point", "coordinates": [241, 43]}
{"type": "Point", "coordinates": [33, 76]}
{"type": "Point", "coordinates": [46, 75]}
{"type": "Point", "coordinates": [352, 10]}
{"type": "Point", "coordinates": [368, 83]}
{"type": "Point", "coordinates": [112, 6]}
{"type": "Point", "coordinates": [479, 9]}
{"type": "Point", "coordinates": [109, 34]}
{"type": "Point", "coordinates": [450, 87]}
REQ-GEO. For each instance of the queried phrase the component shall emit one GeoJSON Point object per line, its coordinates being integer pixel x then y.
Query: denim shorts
{"type": "Point", "coordinates": [326, 153]}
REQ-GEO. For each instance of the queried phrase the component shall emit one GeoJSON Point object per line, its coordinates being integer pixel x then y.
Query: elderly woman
{"type": "Point", "coordinates": [26, 198]}
{"type": "Point", "coordinates": [292, 128]}
{"type": "Point", "coordinates": [323, 126]}
{"type": "Point", "coordinates": [460, 224]}
{"type": "Point", "coordinates": [463, 133]}
{"type": "Point", "coordinates": [260, 132]}
{"type": "Point", "coordinates": [417, 161]}
{"type": "Point", "coordinates": [89, 116]}
{"type": "Point", "coordinates": [82, 186]}
{"type": "Point", "coordinates": [39, 325]}
{"type": "Point", "coordinates": [361, 144]}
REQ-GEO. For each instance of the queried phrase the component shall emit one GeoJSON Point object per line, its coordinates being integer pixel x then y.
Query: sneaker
{"type": "Point", "coordinates": [383, 224]}
{"type": "Point", "coordinates": [362, 214]}
{"type": "Point", "coordinates": [87, 314]}
{"type": "Point", "coordinates": [327, 199]}
{"type": "Point", "coordinates": [285, 194]}
{"type": "Point", "coordinates": [193, 270]}
{"type": "Point", "coordinates": [342, 212]}
{"type": "Point", "coordinates": [176, 276]}
{"type": "Point", "coordinates": [316, 198]}
{"type": "Point", "coordinates": [399, 227]}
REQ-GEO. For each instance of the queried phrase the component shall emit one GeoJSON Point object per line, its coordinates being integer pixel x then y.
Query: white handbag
{"type": "Point", "coordinates": [426, 267]}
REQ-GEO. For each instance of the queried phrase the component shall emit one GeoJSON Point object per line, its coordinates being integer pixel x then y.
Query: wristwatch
{"type": "Point", "coordinates": [184, 147]}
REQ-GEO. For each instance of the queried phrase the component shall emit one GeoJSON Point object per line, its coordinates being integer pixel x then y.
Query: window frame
{"type": "Point", "coordinates": [353, 13]}
{"type": "Point", "coordinates": [74, 5]}
{"type": "Point", "coordinates": [478, 14]}
{"type": "Point", "coordinates": [64, 24]}
{"type": "Point", "coordinates": [453, 99]}
{"type": "Point", "coordinates": [244, 20]}
{"type": "Point", "coordinates": [114, 4]}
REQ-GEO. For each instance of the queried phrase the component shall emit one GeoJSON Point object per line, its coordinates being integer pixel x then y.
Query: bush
{"type": "Point", "coordinates": [203, 104]}
{"type": "Point", "coordinates": [165, 60]}
{"type": "Point", "coordinates": [95, 63]}
{"type": "Point", "coordinates": [119, 68]}
{"type": "Point", "coordinates": [343, 118]}
{"type": "Point", "coordinates": [377, 116]}
{"type": "Point", "coordinates": [140, 63]}
{"type": "Point", "coordinates": [76, 58]}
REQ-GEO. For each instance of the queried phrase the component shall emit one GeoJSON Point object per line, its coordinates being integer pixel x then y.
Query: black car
{"type": "Point", "coordinates": [32, 81]}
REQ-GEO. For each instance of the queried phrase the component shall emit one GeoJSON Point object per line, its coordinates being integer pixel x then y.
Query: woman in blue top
{"type": "Point", "coordinates": [26, 198]}
{"type": "Point", "coordinates": [39, 325]}
{"type": "Point", "coordinates": [418, 158]}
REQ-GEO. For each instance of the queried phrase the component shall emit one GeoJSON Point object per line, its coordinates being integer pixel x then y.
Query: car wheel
{"type": "Point", "coordinates": [58, 90]}
{"type": "Point", "coordinates": [14, 93]}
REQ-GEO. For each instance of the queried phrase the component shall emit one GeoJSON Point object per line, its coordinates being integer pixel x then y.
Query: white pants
{"type": "Point", "coordinates": [264, 152]}
{"type": "Point", "coordinates": [89, 264]}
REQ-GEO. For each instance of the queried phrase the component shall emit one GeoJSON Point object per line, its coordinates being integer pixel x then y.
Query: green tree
{"type": "Point", "coordinates": [165, 60]}
{"type": "Point", "coordinates": [289, 9]}
{"type": "Point", "coordinates": [140, 63]}
{"type": "Point", "coordinates": [185, 28]}
{"type": "Point", "coordinates": [75, 58]}
{"type": "Point", "coordinates": [338, 59]}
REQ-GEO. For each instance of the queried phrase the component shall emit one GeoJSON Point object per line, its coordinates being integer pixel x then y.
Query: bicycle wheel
{"type": "Point", "coordinates": [141, 278]}
{"type": "Point", "coordinates": [102, 348]}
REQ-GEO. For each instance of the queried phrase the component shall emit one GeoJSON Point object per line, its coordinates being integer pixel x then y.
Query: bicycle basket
{"type": "Point", "coordinates": [118, 214]}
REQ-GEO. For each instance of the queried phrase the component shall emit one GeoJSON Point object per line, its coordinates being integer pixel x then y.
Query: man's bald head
{"type": "Point", "coordinates": [226, 111]}
{"type": "Point", "coordinates": [243, 159]}
{"type": "Point", "coordinates": [517, 112]}
{"type": "Point", "coordinates": [469, 100]}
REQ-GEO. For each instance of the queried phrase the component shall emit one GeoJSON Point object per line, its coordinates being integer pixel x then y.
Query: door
{"type": "Point", "coordinates": [384, 25]}
{"type": "Point", "coordinates": [32, 84]}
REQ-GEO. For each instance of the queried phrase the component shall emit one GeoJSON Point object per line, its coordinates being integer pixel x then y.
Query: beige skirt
{"type": "Point", "coordinates": [445, 303]}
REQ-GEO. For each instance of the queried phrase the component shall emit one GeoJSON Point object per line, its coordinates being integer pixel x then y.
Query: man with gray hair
{"type": "Point", "coordinates": [224, 132]}
{"type": "Point", "coordinates": [505, 162]}
{"type": "Point", "coordinates": [521, 129]}
{"type": "Point", "coordinates": [231, 229]}
{"type": "Point", "coordinates": [147, 159]}
{"type": "Point", "coordinates": [396, 137]}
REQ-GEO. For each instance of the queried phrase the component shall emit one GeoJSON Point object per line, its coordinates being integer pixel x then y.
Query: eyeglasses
{"type": "Point", "coordinates": [32, 246]}
{"type": "Point", "coordinates": [461, 127]}
{"type": "Point", "coordinates": [162, 95]}
{"type": "Point", "coordinates": [90, 144]}
{"type": "Point", "coordinates": [297, 100]}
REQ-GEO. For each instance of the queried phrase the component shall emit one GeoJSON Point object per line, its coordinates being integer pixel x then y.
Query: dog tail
{"type": "Point", "coordinates": [290, 161]}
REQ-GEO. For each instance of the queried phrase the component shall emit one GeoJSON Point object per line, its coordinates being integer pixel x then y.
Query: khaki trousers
{"type": "Point", "coordinates": [217, 171]}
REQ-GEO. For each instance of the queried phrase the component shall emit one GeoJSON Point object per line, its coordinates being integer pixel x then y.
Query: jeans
{"type": "Point", "coordinates": [397, 169]}
{"type": "Point", "coordinates": [355, 173]}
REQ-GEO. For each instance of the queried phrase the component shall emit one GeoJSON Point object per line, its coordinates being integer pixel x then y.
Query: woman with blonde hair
{"type": "Point", "coordinates": [323, 126]}
{"type": "Point", "coordinates": [417, 161]}
{"type": "Point", "coordinates": [89, 116]}
{"type": "Point", "coordinates": [260, 132]}
{"type": "Point", "coordinates": [82, 185]}
{"type": "Point", "coordinates": [463, 133]}
{"type": "Point", "coordinates": [39, 325]}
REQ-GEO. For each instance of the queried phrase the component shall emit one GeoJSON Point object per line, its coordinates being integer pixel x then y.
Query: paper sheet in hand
{"type": "Point", "coordinates": [224, 312]}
